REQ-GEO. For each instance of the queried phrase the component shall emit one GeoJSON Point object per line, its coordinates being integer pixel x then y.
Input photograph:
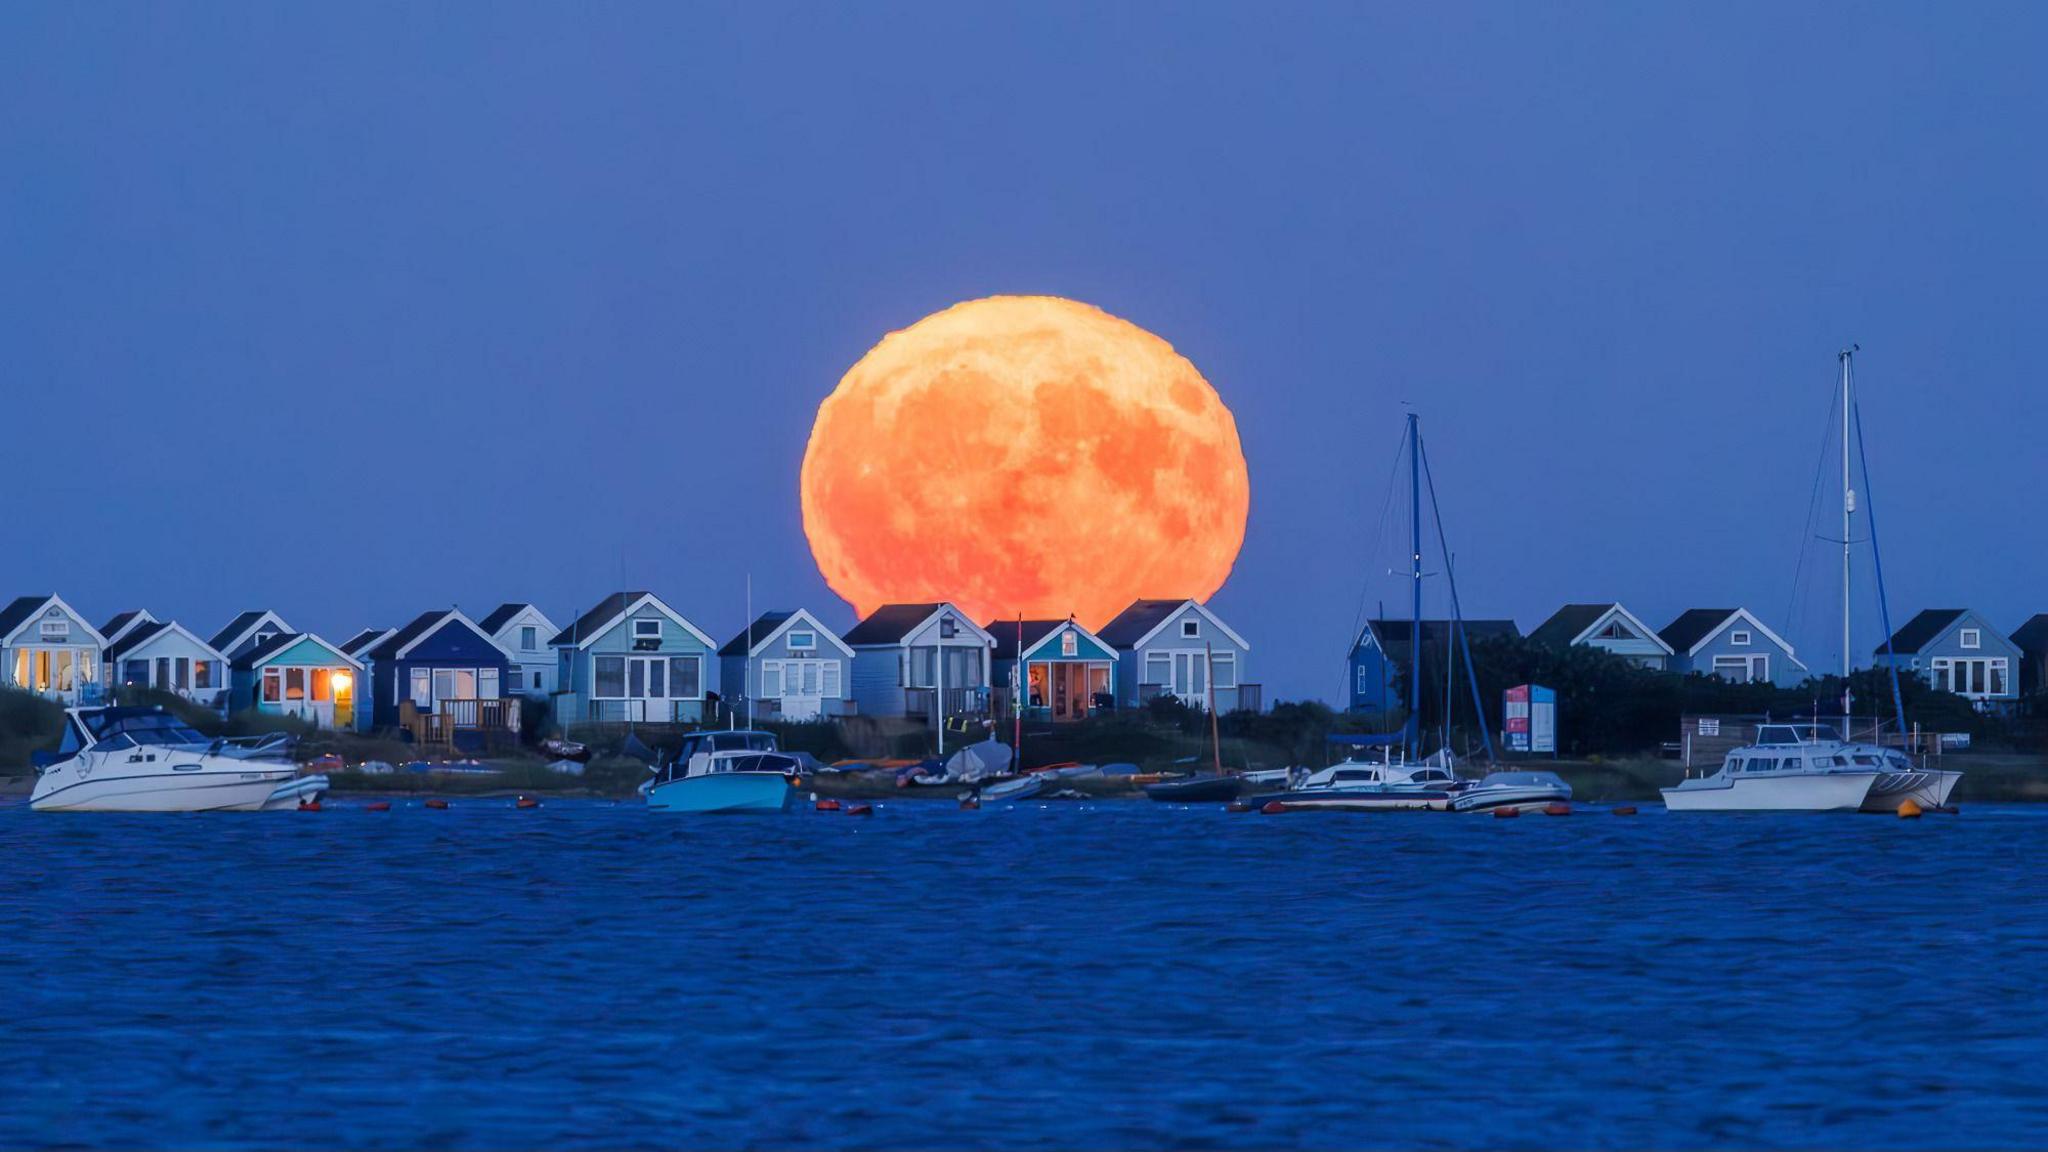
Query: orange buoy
{"type": "Point", "coordinates": [1909, 809]}
{"type": "Point", "coordinates": [1625, 810]}
{"type": "Point", "coordinates": [379, 806]}
{"type": "Point", "coordinates": [1506, 813]}
{"type": "Point", "coordinates": [828, 805]}
{"type": "Point", "coordinates": [437, 803]}
{"type": "Point", "coordinates": [1273, 808]}
{"type": "Point", "coordinates": [860, 810]}
{"type": "Point", "coordinates": [526, 802]}
{"type": "Point", "coordinates": [1558, 809]}
{"type": "Point", "coordinates": [309, 805]}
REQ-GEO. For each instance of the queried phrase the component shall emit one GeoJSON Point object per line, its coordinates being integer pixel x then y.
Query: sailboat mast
{"type": "Point", "coordinates": [1414, 734]}
{"type": "Point", "coordinates": [1848, 513]}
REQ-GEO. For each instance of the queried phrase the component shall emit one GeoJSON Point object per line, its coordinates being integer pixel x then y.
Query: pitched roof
{"type": "Point", "coordinates": [1005, 632]}
{"type": "Point", "coordinates": [136, 638]}
{"type": "Point", "coordinates": [763, 624]}
{"type": "Point", "coordinates": [19, 610]}
{"type": "Point", "coordinates": [420, 626]}
{"type": "Point", "coordinates": [363, 639]}
{"type": "Point", "coordinates": [1692, 626]}
{"type": "Point", "coordinates": [1565, 625]}
{"type": "Point", "coordinates": [501, 616]}
{"type": "Point", "coordinates": [279, 643]}
{"type": "Point", "coordinates": [236, 627]}
{"type": "Point", "coordinates": [889, 624]}
{"type": "Point", "coordinates": [122, 620]}
{"type": "Point", "coordinates": [1921, 629]}
{"type": "Point", "coordinates": [607, 610]}
{"type": "Point", "coordinates": [1392, 635]}
{"type": "Point", "coordinates": [2033, 635]}
{"type": "Point", "coordinates": [1136, 622]}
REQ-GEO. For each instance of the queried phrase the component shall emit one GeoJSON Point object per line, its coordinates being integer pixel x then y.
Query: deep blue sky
{"type": "Point", "coordinates": [353, 311]}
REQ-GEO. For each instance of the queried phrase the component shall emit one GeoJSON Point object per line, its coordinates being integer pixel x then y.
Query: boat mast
{"type": "Point", "coordinates": [1848, 512]}
{"type": "Point", "coordinates": [1414, 729]}
{"type": "Point", "coordinates": [747, 666]}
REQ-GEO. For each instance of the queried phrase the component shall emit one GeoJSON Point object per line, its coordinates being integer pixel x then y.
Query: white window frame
{"type": "Point", "coordinates": [1739, 638]}
{"type": "Point", "coordinates": [529, 638]}
{"type": "Point", "coordinates": [54, 631]}
{"type": "Point", "coordinates": [1972, 638]}
{"type": "Point", "coordinates": [802, 640]}
{"type": "Point", "coordinates": [1363, 686]}
{"type": "Point", "coordinates": [1753, 669]}
{"type": "Point", "coordinates": [1191, 629]}
{"type": "Point", "coordinates": [641, 624]}
{"type": "Point", "coordinates": [1222, 668]}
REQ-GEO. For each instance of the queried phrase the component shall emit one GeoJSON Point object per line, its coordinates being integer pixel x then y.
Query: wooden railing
{"type": "Point", "coordinates": [918, 702]}
{"type": "Point", "coordinates": [492, 718]}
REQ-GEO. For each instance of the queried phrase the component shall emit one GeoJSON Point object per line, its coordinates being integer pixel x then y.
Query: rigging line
{"type": "Point", "coordinates": [1457, 613]}
{"type": "Point", "coordinates": [1820, 467]}
{"type": "Point", "coordinates": [1884, 611]}
{"type": "Point", "coordinates": [1372, 552]}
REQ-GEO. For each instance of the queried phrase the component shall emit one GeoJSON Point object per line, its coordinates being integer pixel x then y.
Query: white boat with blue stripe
{"type": "Point", "coordinates": [147, 760]}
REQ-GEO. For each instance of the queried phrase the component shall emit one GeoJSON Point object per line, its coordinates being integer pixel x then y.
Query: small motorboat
{"type": "Point", "coordinates": [1208, 788]}
{"type": "Point", "coordinates": [1362, 786]}
{"type": "Point", "coordinates": [565, 750]}
{"type": "Point", "coordinates": [1511, 790]}
{"type": "Point", "coordinates": [724, 772]}
{"type": "Point", "coordinates": [1790, 768]}
{"type": "Point", "coordinates": [144, 759]}
{"type": "Point", "coordinates": [1015, 788]}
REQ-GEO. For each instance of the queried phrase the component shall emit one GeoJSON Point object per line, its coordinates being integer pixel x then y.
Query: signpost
{"type": "Point", "coordinates": [1529, 717]}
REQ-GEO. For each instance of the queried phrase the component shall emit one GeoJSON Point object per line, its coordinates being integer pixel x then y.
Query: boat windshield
{"type": "Point", "coordinates": [141, 727]}
{"type": "Point", "coordinates": [1796, 734]}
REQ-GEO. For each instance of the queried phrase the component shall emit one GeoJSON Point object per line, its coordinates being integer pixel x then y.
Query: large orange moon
{"type": "Point", "coordinates": [1024, 454]}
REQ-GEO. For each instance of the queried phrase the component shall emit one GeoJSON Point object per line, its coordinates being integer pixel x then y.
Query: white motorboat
{"type": "Point", "coordinates": [1899, 781]}
{"type": "Point", "coordinates": [1521, 789]}
{"type": "Point", "coordinates": [1790, 768]}
{"type": "Point", "coordinates": [147, 760]}
{"type": "Point", "coordinates": [1365, 786]}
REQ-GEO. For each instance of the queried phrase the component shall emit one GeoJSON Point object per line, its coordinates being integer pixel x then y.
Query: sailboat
{"type": "Point", "coordinates": [1810, 767]}
{"type": "Point", "coordinates": [1414, 782]}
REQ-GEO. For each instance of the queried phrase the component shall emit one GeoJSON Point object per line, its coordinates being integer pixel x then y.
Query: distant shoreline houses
{"type": "Point", "coordinates": [444, 678]}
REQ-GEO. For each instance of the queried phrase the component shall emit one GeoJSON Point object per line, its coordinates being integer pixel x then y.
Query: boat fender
{"type": "Point", "coordinates": [1557, 809]}
{"type": "Point", "coordinates": [1506, 813]}
{"type": "Point", "coordinates": [379, 806]}
{"type": "Point", "coordinates": [1909, 809]}
{"type": "Point", "coordinates": [314, 805]}
{"type": "Point", "coordinates": [526, 802]}
{"type": "Point", "coordinates": [1273, 808]}
{"type": "Point", "coordinates": [1625, 810]}
{"type": "Point", "coordinates": [828, 805]}
{"type": "Point", "coordinates": [861, 810]}
{"type": "Point", "coordinates": [437, 804]}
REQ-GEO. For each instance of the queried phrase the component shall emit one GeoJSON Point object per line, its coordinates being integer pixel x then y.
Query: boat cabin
{"type": "Point", "coordinates": [111, 729]}
{"type": "Point", "coordinates": [702, 753]}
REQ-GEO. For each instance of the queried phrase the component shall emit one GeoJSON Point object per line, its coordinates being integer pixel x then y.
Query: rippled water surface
{"type": "Point", "coordinates": [1111, 974]}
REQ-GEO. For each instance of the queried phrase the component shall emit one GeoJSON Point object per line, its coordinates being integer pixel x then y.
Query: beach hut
{"type": "Point", "coordinates": [2031, 639]}
{"type": "Point", "coordinates": [300, 675]}
{"type": "Point", "coordinates": [48, 649]}
{"type": "Point", "coordinates": [1169, 647]}
{"type": "Point", "coordinates": [920, 661]}
{"type": "Point", "coordinates": [523, 631]}
{"type": "Point", "coordinates": [247, 630]}
{"type": "Point", "coordinates": [1065, 671]}
{"type": "Point", "coordinates": [1733, 644]}
{"type": "Point", "coordinates": [633, 659]}
{"type": "Point", "coordinates": [1957, 650]}
{"type": "Point", "coordinates": [166, 656]}
{"type": "Point", "coordinates": [800, 669]}
{"type": "Point", "coordinates": [1380, 658]}
{"type": "Point", "coordinates": [1608, 627]}
{"type": "Point", "coordinates": [441, 664]}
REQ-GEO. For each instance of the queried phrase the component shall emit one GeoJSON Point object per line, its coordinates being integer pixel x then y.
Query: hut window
{"type": "Point", "coordinates": [202, 673]}
{"type": "Point", "coordinates": [644, 629]}
{"type": "Point", "coordinates": [684, 678]}
{"type": "Point", "coordinates": [1158, 668]}
{"type": "Point", "coordinates": [948, 628]}
{"type": "Point", "coordinates": [1739, 639]}
{"type": "Point", "coordinates": [423, 687]}
{"type": "Point", "coordinates": [529, 638]}
{"type": "Point", "coordinates": [1972, 638]}
{"type": "Point", "coordinates": [273, 686]}
{"type": "Point", "coordinates": [771, 680]}
{"type": "Point", "coordinates": [323, 683]}
{"type": "Point", "coordinates": [611, 677]}
{"type": "Point", "coordinates": [295, 683]}
{"type": "Point", "coordinates": [1189, 629]}
{"type": "Point", "coordinates": [1224, 674]}
{"type": "Point", "coordinates": [803, 640]}
{"type": "Point", "coordinates": [59, 629]}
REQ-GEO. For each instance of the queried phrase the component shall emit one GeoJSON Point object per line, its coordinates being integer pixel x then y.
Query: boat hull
{"type": "Point", "coordinates": [1929, 788]}
{"type": "Point", "coordinates": [723, 792]}
{"type": "Point", "coordinates": [1810, 792]}
{"type": "Point", "coordinates": [1020, 788]}
{"type": "Point", "coordinates": [1356, 800]}
{"type": "Point", "coordinates": [1197, 790]}
{"type": "Point", "coordinates": [242, 789]}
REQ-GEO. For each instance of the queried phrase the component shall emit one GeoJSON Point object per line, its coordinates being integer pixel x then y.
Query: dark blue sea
{"type": "Point", "coordinates": [1058, 975]}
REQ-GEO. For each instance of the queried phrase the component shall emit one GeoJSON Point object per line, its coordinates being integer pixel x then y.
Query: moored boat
{"type": "Point", "coordinates": [134, 759]}
{"type": "Point", "coordinates": [1516, 789]}
{"type": "Point", "coordinates": [724, 772]}
{"type": "Point", "coordinates": [1790, 768]}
